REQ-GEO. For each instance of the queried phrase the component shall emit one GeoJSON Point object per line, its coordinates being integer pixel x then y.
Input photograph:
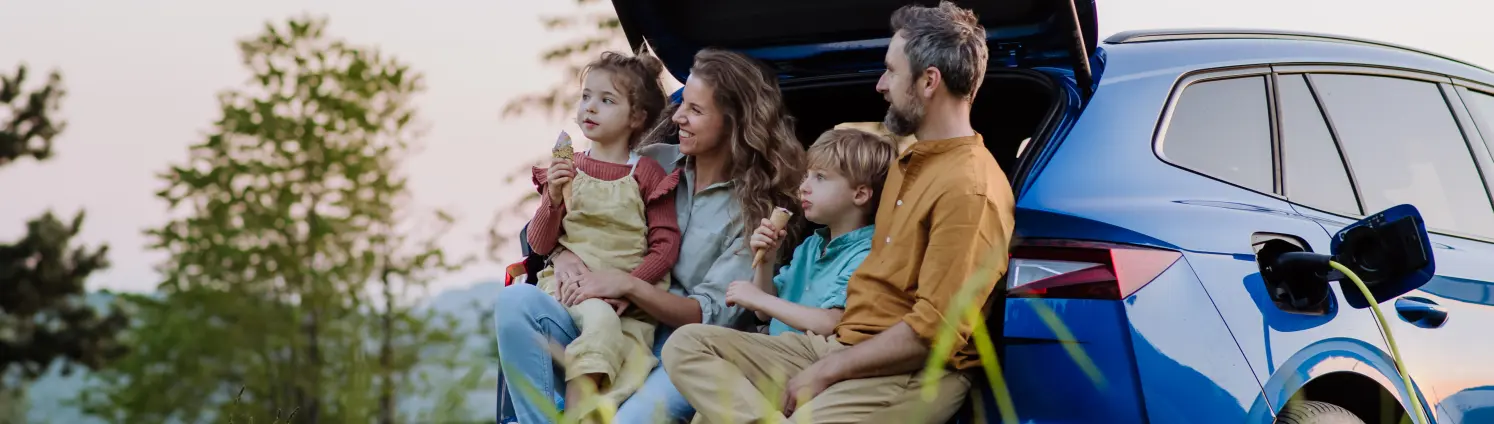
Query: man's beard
{"type": "Point", "coordinates": [904, 122]}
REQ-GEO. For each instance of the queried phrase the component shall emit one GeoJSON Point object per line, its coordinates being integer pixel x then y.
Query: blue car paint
{"type": "Point", "coordinates": [1216, 347]}
{"type": "Point", "coordinates": [1203, 341]}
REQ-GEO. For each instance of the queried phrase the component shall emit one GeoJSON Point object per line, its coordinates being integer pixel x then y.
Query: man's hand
{"type": "Point", "coordinates": [805, 386]}
{"type": "Point", "coordinates": [744, 293]}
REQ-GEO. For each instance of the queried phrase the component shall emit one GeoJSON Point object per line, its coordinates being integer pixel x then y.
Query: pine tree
{"type": "Point", "coordinates": [43, 313]}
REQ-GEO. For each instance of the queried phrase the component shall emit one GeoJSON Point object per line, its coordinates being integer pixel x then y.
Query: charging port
{"type": "Point", "coordinates": [1294, 291]}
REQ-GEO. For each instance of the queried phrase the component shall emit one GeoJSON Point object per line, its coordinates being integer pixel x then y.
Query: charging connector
{"type": "Point", "coordinates": [1317, 263]}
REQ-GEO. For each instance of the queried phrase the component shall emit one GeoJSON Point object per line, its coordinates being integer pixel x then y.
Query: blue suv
{"type": "Point", "coordinates": [1151, 171]}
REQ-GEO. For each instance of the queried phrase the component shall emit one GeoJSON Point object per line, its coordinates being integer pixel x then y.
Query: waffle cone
{"type": "Point", "coordinates": [778, 220]}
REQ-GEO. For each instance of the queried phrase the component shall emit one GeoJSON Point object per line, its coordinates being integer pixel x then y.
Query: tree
{"type": "Point", "coordinates": [280, 297]}
{"type": "Point", "coordinates": [43, 313]}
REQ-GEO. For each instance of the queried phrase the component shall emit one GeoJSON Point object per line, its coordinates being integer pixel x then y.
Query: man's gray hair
{"type": "Point", "coordinates": [946, 37]}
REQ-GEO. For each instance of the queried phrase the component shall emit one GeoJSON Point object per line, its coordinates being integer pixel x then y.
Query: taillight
{"type": "Point", "coordinates": [1063, 269]}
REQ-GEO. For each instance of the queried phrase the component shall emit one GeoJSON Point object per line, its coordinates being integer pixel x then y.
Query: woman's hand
{"type": "Point", "coordinates": [568, 272]}
{"type": "Point", "coordinates": [568, 267]}
{"type": "Point", "coordinates": [559, 174]}
{"type": "Point", "coordinates": [601, 285]}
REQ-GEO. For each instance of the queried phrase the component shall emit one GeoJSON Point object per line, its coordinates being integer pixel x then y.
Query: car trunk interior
{"type": "Point", "coordinates": [1011, 106]}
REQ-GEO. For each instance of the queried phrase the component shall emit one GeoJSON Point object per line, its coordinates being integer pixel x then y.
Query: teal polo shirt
{"type": "Point", "coordinates": [817, 274]}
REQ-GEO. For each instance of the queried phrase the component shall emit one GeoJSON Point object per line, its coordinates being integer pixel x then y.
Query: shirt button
{"type": "Point", "coordinates": [889, 239]}
{"type": "Point", "coordinates": [899, 202]}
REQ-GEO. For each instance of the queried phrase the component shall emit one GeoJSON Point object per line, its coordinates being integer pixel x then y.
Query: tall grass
{"type": "Point", "coordinates": [961, 312]}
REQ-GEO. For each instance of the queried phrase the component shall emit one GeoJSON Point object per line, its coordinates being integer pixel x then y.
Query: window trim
{"type": "Point", "coordinates": [1480, 163]}
{"type": "Point", "coordinates": [1278, 155]}
{"type": "Point", "coordinates": [1360, 70]}
{"type": "Point", "coordinates": [1343, 155]}
{"type": "Point", "coordinates": [1484, 134]}
{"type": "Point", "coordinates": [1168, 110]}
{"type": "Point", "coordinates": [1472, 137]}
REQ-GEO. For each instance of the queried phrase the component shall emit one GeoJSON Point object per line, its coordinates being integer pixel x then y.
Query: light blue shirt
{"type": "Point", "coordinates": [713, 252]}
{"type": "Point", "coordinates": [817, 274]}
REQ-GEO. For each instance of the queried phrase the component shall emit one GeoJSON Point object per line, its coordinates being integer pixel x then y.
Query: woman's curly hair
{"type": "Point", "coordinates": [767, 160]}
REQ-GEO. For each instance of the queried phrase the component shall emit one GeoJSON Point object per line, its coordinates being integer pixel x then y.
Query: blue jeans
{"type": "Point", "coordinates": [526, 317]}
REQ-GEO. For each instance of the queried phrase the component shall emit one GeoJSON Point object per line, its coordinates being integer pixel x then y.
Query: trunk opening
{"type": "Point", "coordinates": [1013, 109]}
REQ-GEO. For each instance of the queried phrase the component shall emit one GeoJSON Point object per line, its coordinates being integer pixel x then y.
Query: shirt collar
{"type": "Point", "coordinates": [687, 165]}
{"type": "Point", "coordinates": [863, 233]}
{"type": "Point", "coordinates": [935, 147]}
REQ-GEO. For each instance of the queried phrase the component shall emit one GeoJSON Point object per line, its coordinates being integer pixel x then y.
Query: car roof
{"type": "Point", "coordinates": [1192, 49]}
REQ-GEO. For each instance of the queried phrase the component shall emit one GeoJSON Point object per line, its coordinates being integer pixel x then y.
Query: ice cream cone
{"type": "Point", "coordinates": [564, 151]}
{"type": "Point", "coordinates": [778, 220]}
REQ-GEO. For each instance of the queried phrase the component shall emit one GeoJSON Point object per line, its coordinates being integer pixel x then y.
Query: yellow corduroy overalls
{"type": "Point", "coordinates": [605, 226]}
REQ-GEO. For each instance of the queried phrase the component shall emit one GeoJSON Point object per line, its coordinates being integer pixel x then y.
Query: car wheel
{"type": "Point", "coordinates": [1310, 412]}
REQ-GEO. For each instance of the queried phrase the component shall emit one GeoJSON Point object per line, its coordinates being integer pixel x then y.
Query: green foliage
{"type": "Point", "coordinates": [288, 264]}
{"type": "Point", "coordinates": [43, 315]}
{"type": "Point", "coordinates": [27, 128]}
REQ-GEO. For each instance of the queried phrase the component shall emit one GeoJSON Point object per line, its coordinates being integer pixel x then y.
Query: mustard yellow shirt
{"type": "Point", "coordinates": [945, 218]}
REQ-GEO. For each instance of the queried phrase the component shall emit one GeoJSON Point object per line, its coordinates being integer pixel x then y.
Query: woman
{"type": "Point", "coordinates": [737, 159]}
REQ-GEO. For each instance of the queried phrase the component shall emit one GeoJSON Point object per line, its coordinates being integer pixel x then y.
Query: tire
{"type": "Point", "coordinates": [1310, 412]}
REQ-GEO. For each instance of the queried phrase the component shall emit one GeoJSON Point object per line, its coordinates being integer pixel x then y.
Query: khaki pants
{"type": "Point", "coordinates": [736, 377]}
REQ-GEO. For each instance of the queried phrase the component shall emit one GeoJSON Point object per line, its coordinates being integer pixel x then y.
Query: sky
{"type": "Point", "coordinates": [142, 78]}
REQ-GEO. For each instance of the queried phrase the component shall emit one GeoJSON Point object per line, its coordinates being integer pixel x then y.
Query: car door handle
{"type": "Point", "coordinates": [1421, 312]}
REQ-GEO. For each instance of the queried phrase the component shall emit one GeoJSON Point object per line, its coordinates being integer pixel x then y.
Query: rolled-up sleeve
{"type": "Point", "coordinates": [734, 263]}
{"type": "Point", "coordinates": [967, 245]}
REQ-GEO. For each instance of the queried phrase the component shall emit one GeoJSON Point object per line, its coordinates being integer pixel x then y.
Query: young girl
{"type": "Point", "coordinates": [615, 210]}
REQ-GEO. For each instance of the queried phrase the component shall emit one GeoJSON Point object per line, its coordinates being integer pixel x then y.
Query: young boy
{"type": "Point", "coordinates": [840, 191]}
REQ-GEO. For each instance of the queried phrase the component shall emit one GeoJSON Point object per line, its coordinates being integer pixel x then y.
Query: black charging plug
{"type": "Point", "coordinates": [1303, 263]}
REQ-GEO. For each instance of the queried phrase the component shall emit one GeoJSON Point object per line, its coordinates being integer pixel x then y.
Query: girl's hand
{"type": "Point", "coordinates": [766, 238]}
{"type": "Point", "coordinates": [560, 173]}
{"type": "Point", "coordinates": [619, 305]}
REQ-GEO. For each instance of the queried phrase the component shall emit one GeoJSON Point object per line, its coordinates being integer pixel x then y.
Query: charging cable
{"type": "Point", "coordinates": [1395, 353]}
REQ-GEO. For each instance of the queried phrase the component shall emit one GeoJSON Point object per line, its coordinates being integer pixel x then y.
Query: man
{"type": "Point", "coordinates": [940, 245]}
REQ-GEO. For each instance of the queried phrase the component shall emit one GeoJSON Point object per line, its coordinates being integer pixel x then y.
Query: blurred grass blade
{"type": "Point", "coordinates": [991, 364]}
{"type": "Point", "coordinates": [1070, 344]}
{"type": "Point", "coordinates": [545, 404]}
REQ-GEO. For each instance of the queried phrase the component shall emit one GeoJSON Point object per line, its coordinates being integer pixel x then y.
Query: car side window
{"type": "Point", "coordinates": [1222, 128]}
{"type": "Point", "coordinates": [1314, 171]}
{"type": "Point", "coordinates": [1405, 147]}
{"type": "Point", "coordinates": [1481, 105]}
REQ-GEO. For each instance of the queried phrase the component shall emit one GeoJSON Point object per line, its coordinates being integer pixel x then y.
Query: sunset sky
{"type": "Point", "coordinates": [142, 78]}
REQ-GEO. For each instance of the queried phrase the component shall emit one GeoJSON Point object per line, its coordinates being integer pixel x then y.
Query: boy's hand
{"type": "Point", "coordinates": [744, 293]}
{"type": "Point", "coordinates": [766, 238]}
{"type": "Point", "coordinates": [558, 176]}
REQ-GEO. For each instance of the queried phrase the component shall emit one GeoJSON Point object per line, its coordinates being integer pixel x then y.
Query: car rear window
{"type": "Point", "coordinates": [1222, 128]}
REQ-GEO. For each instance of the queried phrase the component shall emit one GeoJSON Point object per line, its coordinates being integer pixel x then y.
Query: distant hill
{"type": "Point", "coordinates": [51, 396]}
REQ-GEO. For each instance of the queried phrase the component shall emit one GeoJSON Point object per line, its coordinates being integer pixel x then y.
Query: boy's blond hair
{"type": "Point", "coordinates": [861, 157]}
